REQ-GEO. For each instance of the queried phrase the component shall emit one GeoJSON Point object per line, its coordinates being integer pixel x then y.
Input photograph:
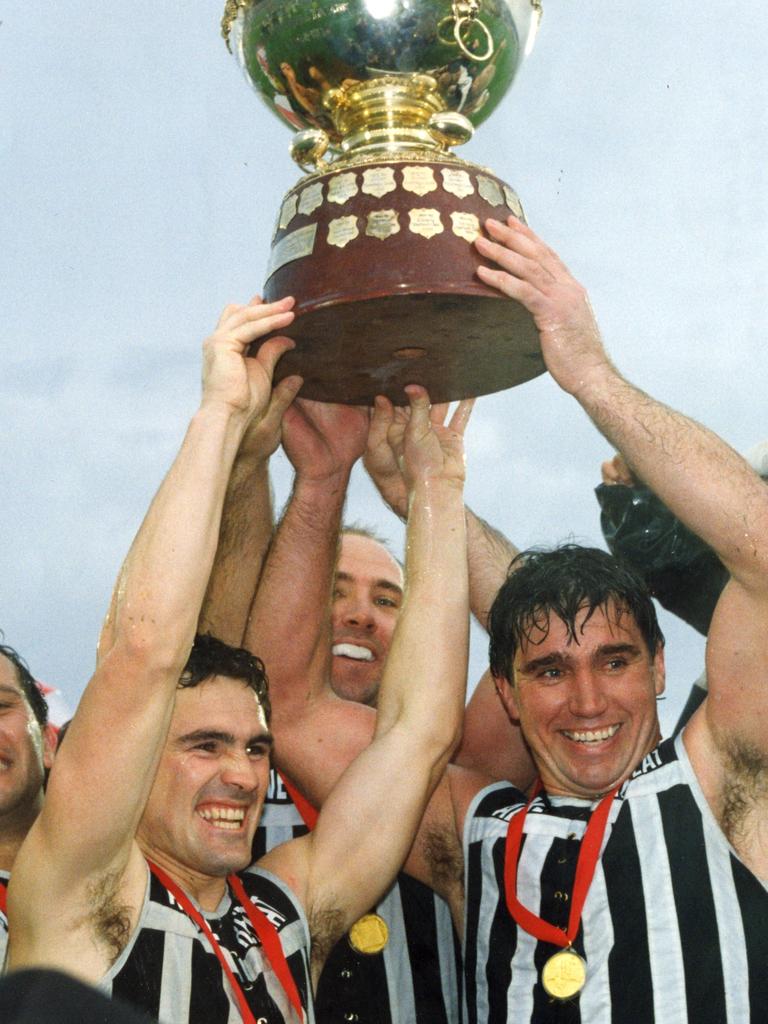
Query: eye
{"type": "Point", "coordinates": [258, 751]}
{"type": "Point", "coordinates": [207, 746]}
{"type": "Point", "coordinates": [615, 664]}
{"type": "Point", "coordinates": [550, 674]}
{"type": "Point", "coordinates": [386, 602]}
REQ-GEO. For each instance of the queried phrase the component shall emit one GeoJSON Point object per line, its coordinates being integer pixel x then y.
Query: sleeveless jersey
{"type": "Point", "coordinates": [674, 928]}
{"type": "Point", "coordinates": [414, 980]}
{"type": "Point", "coordinates": [4, 877]}
{"type": "Point", "coordinates": [169, 970]}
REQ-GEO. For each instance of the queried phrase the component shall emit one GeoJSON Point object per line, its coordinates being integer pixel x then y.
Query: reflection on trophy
{"type": "Point", "coordinates": [375, 242]}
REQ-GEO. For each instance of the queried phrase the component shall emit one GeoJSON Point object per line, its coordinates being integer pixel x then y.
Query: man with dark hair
{"type": "Point", "coordinates": [630, 887]}
{"type": "Point", "coordinates": [26, 751]}
{"type": "Point", "coordinates": [141, 840]}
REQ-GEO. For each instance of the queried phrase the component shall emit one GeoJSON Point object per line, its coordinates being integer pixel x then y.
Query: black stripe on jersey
{"type": "Point", "coordinates": [208, 1000]}
{"type": "Point", "coordinates": [695, 905]}
{"type": "Point", "coordinates": [556, 880]}
{"type": "Point", "coordinates": [421, 933]}
{"type": "Point", "coordinates": [502, 943]}
{"type": "Point", "coordinates": [139, 980]}
{"type": "Point", "coordinates": [753, 903]}
{"type": "Point", "coordinates": [629, 960]}
{"type": "Point", "coordinates": [352, 986]}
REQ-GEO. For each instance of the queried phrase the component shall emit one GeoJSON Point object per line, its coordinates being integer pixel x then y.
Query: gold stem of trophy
{"type": "Point", "coordinates": [386, 114]}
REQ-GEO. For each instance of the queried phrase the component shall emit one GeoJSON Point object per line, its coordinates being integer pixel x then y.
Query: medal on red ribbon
{"type": "Point", "coordinates": [565, 972]}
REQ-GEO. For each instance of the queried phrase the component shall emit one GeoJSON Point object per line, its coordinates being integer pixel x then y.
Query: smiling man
{"type": "Point", "coordinates": [130, 878]}
{"type": "Point", "coordinates": [367, 595]}
{"type": "Point", "coordinates": [26, 750]}
{"type": "Point", "coordinates": [631, 886]}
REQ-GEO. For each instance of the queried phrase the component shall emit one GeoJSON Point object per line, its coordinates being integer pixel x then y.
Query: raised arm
{"type": "Point", "coordinates": [703, 482]}
{"type": "Point", "coordinates": [490, 743]}
{"type": "Point", "coordinates": [81, 844]}
{"type": "Point", "coordinates": [246, 524]}
{"type": "Point", "coordinates": [288, 626]}
{"type": "Point", "coordinates": [420, 704]}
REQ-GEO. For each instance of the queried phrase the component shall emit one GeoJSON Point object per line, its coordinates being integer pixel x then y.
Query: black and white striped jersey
{"type": "Point", "coordinates": [674, 928]}
{"type": "Point", "coordinates": [4, 877]}
{"type": "Point", "coordinates": [169, 970]}
{"type": "Point", "coordinates": [416, 979]}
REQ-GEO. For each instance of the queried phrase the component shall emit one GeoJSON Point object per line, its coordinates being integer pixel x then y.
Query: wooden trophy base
{"type": "Point", "coordinates": [380, 260]}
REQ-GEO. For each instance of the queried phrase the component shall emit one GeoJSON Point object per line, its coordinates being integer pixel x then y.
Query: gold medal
{"type": "Point", "coordinates": [564, 975]}
{"type": "Point", "coordinates": [369, 935]}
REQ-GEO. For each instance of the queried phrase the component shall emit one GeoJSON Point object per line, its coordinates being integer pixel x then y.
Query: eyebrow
{"type": "Point", "coordinates": [558, 658]}
{"type": "Point", "coordinates": [377, 584]}
{"type": "Point", "coordinates": [208, 735]}
{"type": "Point", "coordinates": [11, 690]}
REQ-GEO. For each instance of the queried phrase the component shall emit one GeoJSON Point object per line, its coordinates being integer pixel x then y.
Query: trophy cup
{"type": "Point", "coordinates": [375, 242]}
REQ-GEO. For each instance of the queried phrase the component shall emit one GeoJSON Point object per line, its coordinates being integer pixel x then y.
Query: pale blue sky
{"type": "Point", "coordinates": [141, 178]}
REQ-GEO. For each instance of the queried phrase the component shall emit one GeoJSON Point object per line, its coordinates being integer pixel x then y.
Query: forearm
{"type": "Point", "coordinates": [427, 662]}
{"type": "Point", "coordinates": [246, 531]}
{"type": "Point", "coordinates": [288, 626]}
{"type": "Point", "coordinates": [701, 479]}
{"type": "Point", "coordinates": [489, 555]}
{"type": "Point", "coordinates": [164, 577]}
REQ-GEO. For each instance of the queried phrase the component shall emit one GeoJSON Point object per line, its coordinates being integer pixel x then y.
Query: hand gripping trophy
{"type": "Point", "coordinates": [375, 242]}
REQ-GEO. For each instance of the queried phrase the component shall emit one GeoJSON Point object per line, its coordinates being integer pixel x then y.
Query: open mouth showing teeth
{"type": "Point", "coordinates": [228, 818]}
{"type": "Point", "coordinates": [592, 735]}
{"type": "Point", "coordinates": [352, 651]}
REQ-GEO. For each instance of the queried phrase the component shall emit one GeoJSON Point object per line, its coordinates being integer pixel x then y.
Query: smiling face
{"type": "Point", "coordinates": [368, 592]}
{"type": "Point", "coordinates": [210, 785]}
{"type": "Point", "coordinates": [25, 750]}
{"type": "Point", "coordinates": [587, 706]}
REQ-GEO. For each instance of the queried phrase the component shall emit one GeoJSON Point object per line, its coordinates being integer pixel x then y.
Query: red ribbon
{"type": "Point", "coordinates": [3, 898]}
{"type": "Point", "coordinates": [267, 933]}
{"type": "Point", "coordinates": [589, 854]}
{"type": "Point", "coordinates": [308, 813]}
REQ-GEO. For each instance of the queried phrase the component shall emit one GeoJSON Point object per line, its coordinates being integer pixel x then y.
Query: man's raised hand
{"type": "Point", "coordinates": [322, 439]}
{"type": "Point", "coordinates": [530, 272]}
{"type": "Point", "coordinates": [231, 379]}
{"type": "Point", "coordinates": [425, 449]}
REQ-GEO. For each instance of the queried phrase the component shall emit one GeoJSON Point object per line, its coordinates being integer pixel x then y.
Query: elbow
{"type": "Point", "coordinates": [148, 651]}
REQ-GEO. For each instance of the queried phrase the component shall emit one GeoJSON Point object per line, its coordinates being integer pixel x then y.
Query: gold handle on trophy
{"type": "Point", "coordinates": [450, 129]}
{"type": "Point", "coordinates": [309, 147]}
{"type": "Point", "coordinates": [463, 19]}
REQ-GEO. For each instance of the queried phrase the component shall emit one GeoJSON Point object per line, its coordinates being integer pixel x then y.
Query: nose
{"type": "Point", "coordinates": [239, 771]}
{"type": "Point", "coordinates": [357, 612]}
{"type": "Point", "coordinates": [587, 698]}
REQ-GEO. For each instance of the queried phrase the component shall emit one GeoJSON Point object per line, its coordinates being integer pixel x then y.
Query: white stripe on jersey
{"type": "Point", "coordinates": [664, 946]}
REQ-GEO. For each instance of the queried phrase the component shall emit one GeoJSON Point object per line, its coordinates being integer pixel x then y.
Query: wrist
{"type": "Point", "coordinates": [433, 490]}
{"type": "Point", "coordinates": [322, 484]}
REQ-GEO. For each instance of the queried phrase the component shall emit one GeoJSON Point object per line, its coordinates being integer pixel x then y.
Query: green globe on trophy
{"type": "Point", "coordinates": [375, 241]}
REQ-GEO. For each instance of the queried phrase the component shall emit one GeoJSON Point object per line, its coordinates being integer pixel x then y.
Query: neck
{"type": "Point", "coordinates": [204, 890]}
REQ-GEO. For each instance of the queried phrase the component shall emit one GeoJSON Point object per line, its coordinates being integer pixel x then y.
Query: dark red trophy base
{"type": "Point", "coordinates": [378, 313]}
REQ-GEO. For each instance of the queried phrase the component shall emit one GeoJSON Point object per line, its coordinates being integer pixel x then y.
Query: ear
{"type": "Point", "coordinates": [508, 697]}
{"type": "Point", "coordinates": [659, 671]}
{"type": "Point", "coordinates": [50, 738]}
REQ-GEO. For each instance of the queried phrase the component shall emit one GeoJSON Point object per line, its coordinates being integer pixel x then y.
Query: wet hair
{"type": "Point", "coordinates": [564, 581]}
{"type": "Point", "coordinates": [28, 684]}
{"type": "Point", "coordinates": [212, 657]}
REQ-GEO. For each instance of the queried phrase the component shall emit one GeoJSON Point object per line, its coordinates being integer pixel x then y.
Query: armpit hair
{"type": "Point", "coordinates": [326, 926]}
{"type": "Point", "coordinates": [443, 854]}
{"type": "Point", "coordinates": [746, 787]}
{"type": "Point", "coordinates": [109, 920]}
